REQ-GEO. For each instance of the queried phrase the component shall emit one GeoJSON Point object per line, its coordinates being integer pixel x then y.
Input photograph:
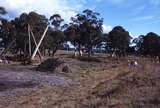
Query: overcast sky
{"type": "Point", "coordinates": [136, 16]}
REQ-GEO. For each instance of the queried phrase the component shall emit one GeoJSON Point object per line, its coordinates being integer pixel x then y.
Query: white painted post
{"type": "Point", "coordinates": [40, 55]}
{"type": "Point", "coordinates": [1, 22]}
{"type": "Point", "coordinates": [34, 53]}
{"type": "Point", "coordinates": [29, 34]}
{"type": "Point", "coordinates": [81, 53]}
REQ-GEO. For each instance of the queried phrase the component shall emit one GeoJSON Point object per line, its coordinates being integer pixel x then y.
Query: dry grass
{"type": "Point", "coordinates": [105, 84]}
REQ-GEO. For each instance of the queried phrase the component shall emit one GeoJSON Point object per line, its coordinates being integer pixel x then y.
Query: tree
{"type": "Point", "coordinates": [37, 24]}
{"type": "Point", "coordinates": [53, 40]}
{"type": "Point", "coordinates": [119, 40]}
{"type": "Point", "coordinates": [150, 44]}
{"type": "Point", "coordinates": [138, 44]}
{"type": "Point", "coordinates": [56, 21]}
{"type": "Point", "coordinates": [17, 30]}
{"type": "Point", "coordinates": [6, 33]}
{"type": "Point", "coordinates": [55, 36]}
{"type": "Point", "coordinates": [21, 37]}
{"type": "Point", "coordinates": [4, 27]}
{"type": "Point", "coordinates": [107, 44]}
{"type": "Point", "coordinates": [70, 33]}
{"type": "Point", "coordinates": [86, 29]}
{"type": "Point", "coordinates": [2, 11]}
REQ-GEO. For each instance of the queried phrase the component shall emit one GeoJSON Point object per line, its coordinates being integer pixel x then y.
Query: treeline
{"type": "Point", "coordinates": [84, 31]}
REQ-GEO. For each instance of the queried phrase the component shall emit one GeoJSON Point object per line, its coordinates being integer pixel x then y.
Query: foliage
{"type": "Point", "coordinates": [2, 11]}
{"type": "Point", "coordinates": [56, 21]}
{"type": "Point", "coordinates": [53, 40]}
{"type": "Point", "coordinates": [149, 44]}
{"type": "Point", "coordinates": [37, 23]}
{"type": "Point", "coordinates": [119, 40]}
{"type": "Point", "coordinates": [85, 29]}
{"type": "Point", "coordinates": [17, 30]}
{"type": "Point", "coordinates": [56, 36]}
{"type": "Point", "coordinates": [138, 41]}
{"type": "Point", "coordinates": [7, 33]}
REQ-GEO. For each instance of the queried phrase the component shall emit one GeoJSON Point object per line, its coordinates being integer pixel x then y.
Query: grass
{"type": "Point", "coordinates": [100, 86]}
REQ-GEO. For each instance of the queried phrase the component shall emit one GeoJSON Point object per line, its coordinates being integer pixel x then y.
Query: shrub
{"type": "Point", "coordinates": [49, 64]}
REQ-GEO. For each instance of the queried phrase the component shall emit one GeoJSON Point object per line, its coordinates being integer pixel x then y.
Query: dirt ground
{"type": "Point", "coordinates": [101, 82]}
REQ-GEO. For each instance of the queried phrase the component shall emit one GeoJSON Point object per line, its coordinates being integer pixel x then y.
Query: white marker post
{"type": "Point", "coordinates": [1, 22]}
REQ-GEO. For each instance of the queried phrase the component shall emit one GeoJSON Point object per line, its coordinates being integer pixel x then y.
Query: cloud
{"type": "Point", "coordinates": [131, 34]}
{"type": "Point", "coordinates": [142, 18]}
{"type": "Point", "coordinates": [66, 8]}
{"type": "Point", "coordinates": [106, 29]}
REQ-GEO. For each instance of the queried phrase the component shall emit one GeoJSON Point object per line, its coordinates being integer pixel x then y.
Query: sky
{"type": "Point", "coordinates": [137, 16]}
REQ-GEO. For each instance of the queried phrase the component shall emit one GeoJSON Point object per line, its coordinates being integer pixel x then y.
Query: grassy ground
{"type": "Point", "coordinates": [102, 83]}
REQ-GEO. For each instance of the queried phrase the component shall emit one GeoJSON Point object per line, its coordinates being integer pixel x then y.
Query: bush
{"type": "Point", "coordinates": [49, 64]}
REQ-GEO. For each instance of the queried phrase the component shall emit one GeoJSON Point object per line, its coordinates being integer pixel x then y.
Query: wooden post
{"type": "Point", "coordinates": [34, 53]}
{"type": "Point", "coordinates": [39, 53]}
{"type": "Point", "coordinates": [1, 22]}
{"type": "Point", "coordinates": [29, 39]}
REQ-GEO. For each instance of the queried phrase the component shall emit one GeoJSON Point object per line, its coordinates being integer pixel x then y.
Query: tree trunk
{"type": "Point", "coordinates": [44, 51]}
{"type": "Point", "coordinates": [49, 52]}
{"type": "Point", "coordinates": [89, 51]}
{"type": "Point", "coordinates": [25, 49]}
{"type": "Point", "coordinates": [79, 49]}
{"type": "Point", "coordinates": [54, 51]}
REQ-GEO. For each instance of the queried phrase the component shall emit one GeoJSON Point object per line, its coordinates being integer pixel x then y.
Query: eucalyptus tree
{"type": "Point", "coordinates": [56, 21]}
{"type": "Point", "coordinates": [56, 35]}
{"type": "Point", "coordinates": [150, 45]}
{"type": "Point", "coordinates": [37, 24]}
{"type": "Point", "coordinates": [119, 40]}
{"type": "Point", "coordinates": [86, 29]}
{"type": "Point", "coordinates": [2, 11]}
{"type": "Point", "coordinates": [138, 44]}
{"type": "Point", "coordinates": [3, 22]}
{"type": "Point", "coordinates": [7, 33]}
{"type": "Point", "coordinates": [72, 33]}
